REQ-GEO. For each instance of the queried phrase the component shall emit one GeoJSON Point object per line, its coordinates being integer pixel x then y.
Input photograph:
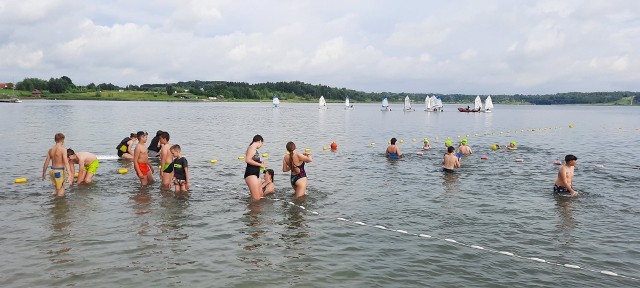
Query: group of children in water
{"type": "Point", "coordinates": [174, 168]}
{"type": "Point", "coordinates": [451, 161]}
{"type": "Point", "coordinates": [292, 161]}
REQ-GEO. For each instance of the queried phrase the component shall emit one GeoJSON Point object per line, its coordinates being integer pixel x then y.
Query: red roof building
{"type": "Point", "coordinates": [36, 93]}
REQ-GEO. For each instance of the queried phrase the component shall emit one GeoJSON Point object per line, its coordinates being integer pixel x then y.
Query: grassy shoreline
{"type": "Point", "coordinates": [186, 97]}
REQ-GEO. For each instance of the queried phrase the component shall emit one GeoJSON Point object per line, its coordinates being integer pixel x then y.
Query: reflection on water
{"type": "Point", "coordinates": [61, 236]}
{"type": "Point", "coordinates": [566, 224]}
{"type": "Point", "coordinates": [257, 235]}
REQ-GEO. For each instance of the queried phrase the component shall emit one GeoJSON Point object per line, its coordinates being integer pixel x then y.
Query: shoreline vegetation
{"type": "Point", "coordinates": [295, 92]}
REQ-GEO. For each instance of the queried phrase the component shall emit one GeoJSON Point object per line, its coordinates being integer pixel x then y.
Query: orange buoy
{"type": "Point", "coordinates": [334, 146]}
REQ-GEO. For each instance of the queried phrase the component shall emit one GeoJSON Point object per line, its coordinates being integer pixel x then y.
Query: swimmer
{"type": "Point", "coordinates": [564, 181]}
{"type": "Point", "coordinates": [268, 186]}
{"type": "Point", "coordinates": [57, 155]}
{"type": "Point", "coordinates": [450, 161]}
{"type": "Point", "coordinates": [463, 148]}
{"type": "Point", "coordinates": [143, 168]}
{"type": "Point", "coordinates": [125, 148]}
{"type": "Point", "coordinates": [512, 145]}
{"type": "Point", "coordinates": [252, 171]}
{"type": "Point", "coordinates": [87, 165]}
{"type": "Point", "coordinates": [393, 152]}
{"type": "Point", "coordinates": [426, 145]}
{"type": "Point", "coordinates": [294, 162]}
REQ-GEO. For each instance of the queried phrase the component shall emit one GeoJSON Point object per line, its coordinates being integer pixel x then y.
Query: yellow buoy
{"type": "Point", "coordinates": [21, 180]}
{"type": "Point", "coordinates": [214, 161]}
{"type": "Point", "coordinates": [414, 140]}
{"type": "Point", "coordinates": [401, 141]}
{"type": "Point", "coordinates": [570, 125]}
{"type": "Point", "coordinates": [307, 150]}
{"type": "Point", "coordinates": [76, 175]}
{"type": "Point", "coordinates": [458, 136]}
{"type": "Point", "coordinates": [373, 143]}
{"type": "Point", "coordinates": [437, 138]}
{"type": "Point", "coordinates": [123, 171]}
{"type": "Point", "coordinates": [241, 157]}
{"type": "Point", "coordinates": [467, 135]}
{"type": "Point", "coordinates": [325, 148]}
{"type": "Point", "coordinates": [265, 155]}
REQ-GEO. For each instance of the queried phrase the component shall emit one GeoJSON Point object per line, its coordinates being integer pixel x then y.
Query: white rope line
{"type": "Point", "coordinates": [454, 242]}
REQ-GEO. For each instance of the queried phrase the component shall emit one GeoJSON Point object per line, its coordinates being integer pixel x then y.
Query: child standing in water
{"type": "Point", "coordinates": [180, 169]}
{"type": "Point", "coordinates": [144, 170]}
{"type": "Point", "coordinates": [294, 162]}
{"type": "Point", "coordinates": [252, 171]}
{"type": "Point", "coordinates": [57, 155]}
{"type": "Point", "coordinates": [165, 160]}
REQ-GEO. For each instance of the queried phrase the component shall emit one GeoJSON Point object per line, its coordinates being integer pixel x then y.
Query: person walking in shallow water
{"type": "Point", "coordinates": [254, 165]}
{"type": "Point", "coordinates": [564, 181]}
{"type": "Point", "coordinates": [294, 162]}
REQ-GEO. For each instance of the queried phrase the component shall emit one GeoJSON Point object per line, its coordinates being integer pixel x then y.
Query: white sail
{"type": "Point", "coordinates": [427, 104]}
{"type": "Point", "coordinates": [438, 103]}
{"type": "Point", "coordinates": [432, 102]}
{"type": "Point", "coordinates": [488, 104]}
{"type": "Point", "coordinates": [322, 104]}
{"type": "Point", "coordinates": [407, 103]}
{"type": "Point", "coordinates": [385, 104]}
{"type": "Point", "coordinates": [346, 102]}
{"type": "Point", "coordinates": [477, 105]}
{"type": "Point", "coordinates": [276, 101]}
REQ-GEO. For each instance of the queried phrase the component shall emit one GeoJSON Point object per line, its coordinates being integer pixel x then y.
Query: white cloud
{"type": "Point", "coordinates": [492, 46]}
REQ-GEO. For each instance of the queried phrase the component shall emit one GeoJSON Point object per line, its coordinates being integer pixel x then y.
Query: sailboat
{"type": "Point", "coordinates": [439, 105]}
{"type": "Point", "coordinates": [488, 104]}
{"type": "Point", "coordinates": [322, 104]}
{"type": "Point", "coordinates": [407, 104]}
{"type": "Point", "coordinates": [385, 104]}
{"type": "Point", "coordinates": [276, 101]}
{"type": "Point", "coordinates": [347, 106]}
{"type": "Point", "coordinates": [427, 104]}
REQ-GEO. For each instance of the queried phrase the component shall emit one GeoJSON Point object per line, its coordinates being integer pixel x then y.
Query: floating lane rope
{"type": "Point", "coordinates": [454, 242]}
{"type": "Point", "coordinates": [477, 247]}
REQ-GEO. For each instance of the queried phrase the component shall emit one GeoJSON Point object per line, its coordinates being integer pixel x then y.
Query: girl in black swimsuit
{"type": "Point", "coordinates": [252, 172]}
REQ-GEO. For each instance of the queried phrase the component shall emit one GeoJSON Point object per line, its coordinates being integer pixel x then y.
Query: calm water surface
{"type": "Point", "coordinates": [116, 233]}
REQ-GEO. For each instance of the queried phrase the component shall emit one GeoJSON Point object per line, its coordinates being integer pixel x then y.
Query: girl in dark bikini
{"type": "Point", "coordinates": [294, 162]}
{"type": "Point", "coordinates": [268, 187]}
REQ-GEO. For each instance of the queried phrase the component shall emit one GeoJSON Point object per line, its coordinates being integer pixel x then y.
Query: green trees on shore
{"type": "Point", "coordinates": [300, 91]}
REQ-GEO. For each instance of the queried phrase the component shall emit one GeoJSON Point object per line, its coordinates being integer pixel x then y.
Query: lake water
{"type": "Point", "coordinates": [365, 220]}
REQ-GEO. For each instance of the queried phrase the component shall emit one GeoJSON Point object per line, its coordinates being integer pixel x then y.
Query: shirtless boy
{"type": "Point", "coordinates": [57, 155]}
{"type": "Point", "coordinates": [450, 161]}
{"type": "Point", "coordinates": [87, 165]}
{"type": "Point", "coordinates": [165, 160]}
{"type": "Point", "coordinates": [565, 176]}
{"type": "Point", "coordinates": [464, 148]}
{"type": "Point", "coordinates": [144, 170]}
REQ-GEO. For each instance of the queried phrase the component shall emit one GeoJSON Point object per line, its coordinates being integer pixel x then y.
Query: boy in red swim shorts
{"type": "Point", "coordinates": [144, 170]}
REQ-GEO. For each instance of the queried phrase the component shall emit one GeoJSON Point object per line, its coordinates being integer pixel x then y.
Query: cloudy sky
{"type": "Point", "coordinates": [483, 47]}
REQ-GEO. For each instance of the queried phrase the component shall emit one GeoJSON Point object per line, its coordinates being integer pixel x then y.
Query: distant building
{"type": "Point", "coordinates": [36, 93]}
{"type": "Point", "coordinates": [4, 85]}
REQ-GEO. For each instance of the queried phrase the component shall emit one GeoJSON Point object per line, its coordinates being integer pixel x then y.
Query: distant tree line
{"type": "Point", "coordinates": [303, 91]}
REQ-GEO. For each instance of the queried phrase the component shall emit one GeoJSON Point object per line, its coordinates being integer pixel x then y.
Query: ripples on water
{"type": "Point", "coordinates": [115, 233]}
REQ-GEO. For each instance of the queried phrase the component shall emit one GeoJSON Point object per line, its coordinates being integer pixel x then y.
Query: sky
{"type": "Point", "coordinates": [423, 46]}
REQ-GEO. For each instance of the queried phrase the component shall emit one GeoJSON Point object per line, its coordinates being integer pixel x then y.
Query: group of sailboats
{"type": "Point", "coordinates": [322, 104]}
{"type": "Point", "coordinates": [433, 104]}
{"type": "Point", "coordinates": [477, 105]}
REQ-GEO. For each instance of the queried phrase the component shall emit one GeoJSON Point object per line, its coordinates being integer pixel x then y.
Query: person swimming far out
{"type": "Point", "coordinates": [393, 152]}
{"type": "Point", "coordinates": [463, 148]}
{"type": "Point", "coordinates": [426, 145]}
{"type": "Point", "coordinates": [512, 145]}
